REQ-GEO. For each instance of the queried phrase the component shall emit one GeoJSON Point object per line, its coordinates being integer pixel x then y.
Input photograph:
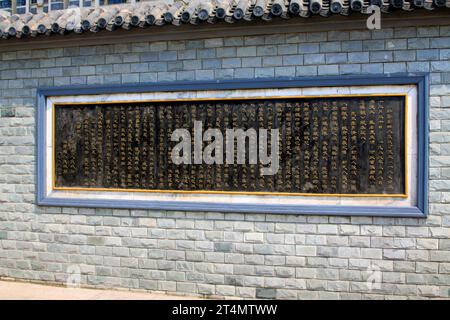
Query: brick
{"type": "Point", "coordinates": [167, 56]}
{"type": "Point", "coordinates": [286, 294]}
{"type": "Point", "coordinates": [284, 71]}
{"type": "Point", "coordinates": [249, 51]}
{"type": "Point", "coordinates": [328, 69]}
{"type": "Point", "coordinates": [372, 45]}
{"type": "Point", "coordinates": [272, 61]}
{"type": "Point", "coordinates": [287, 49]}
{"type": "Point", "coordinates": [418, 43]}
{"type": "Point", "coordinates": [438, 232]}
{"type": "Point", "coordinates": [254, 237]}
{"type": "Point", "coordinates": [316, 36]}
{"type": "Point", "coordinates": [306, 71]}
{"type": "Point", "coordinates": [442, 42]}
{"type": "Point", "coordinates": [316, 239]}
{"type": "Point", "coordinates": [262, 293]}
{"type": "Point", "coordinates": [417, 255]}
{"type": "Point", "coordinates": [225, 52]}
{"type": "Point", "coordinates": [359, 35]}
{"type": "Point", "coordinates": [266, 50]}
{"type": "Point", "coordinates": [405, 32]}
{"type": "Point", "coordinates": [223, 246]}
{"type": "Point", "coordinates": [350, 46]}
{"type": "Point", "coordinates": [361, 242]}
{"type": "Point", "coordinates": [314, 59]}
{"type": "Point", "coordinates": [333, 58]}
{"type": "Point", "coordinates": [350, 69]}
{"type": "Point", "coordinates": [427, 267]}
{"type": "Point", "coordinates": [327, 229]}
{"type": "Point", "coordinates": [372, 68]}
{"type": "Point", "coordinates": [381, 56]}
{"type": "Point", "coordinates": [394, 67]}
{"type": "Point", "coordinates": [428, 291]}
{"type": "Point", "coordinates": [440, 66]}
{"type": "Point", "coordinates": [371, 230]}
{"type": "Point", "coordinates": [334, 46]}
{"type": "Point", "coordinates": [284, 227]}
{"type": "Point", "coordinates": [308, 48]}
{"type": "Point", "coordinates": [305, 250]}
{"type": "Point", "coordinates": [265, 72]}
{"type": "Point", "coordinates": [348, 230]}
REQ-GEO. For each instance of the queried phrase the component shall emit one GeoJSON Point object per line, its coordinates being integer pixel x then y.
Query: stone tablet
{"type": "Point", "coordinates": [350, 145]}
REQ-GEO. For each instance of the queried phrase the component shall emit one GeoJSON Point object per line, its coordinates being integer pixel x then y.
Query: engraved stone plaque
{"type": "Point", "coordinates": [352, 145]}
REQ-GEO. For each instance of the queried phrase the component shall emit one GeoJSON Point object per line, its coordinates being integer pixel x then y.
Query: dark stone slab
{"type": "Point", "coordinates": [337, 145]}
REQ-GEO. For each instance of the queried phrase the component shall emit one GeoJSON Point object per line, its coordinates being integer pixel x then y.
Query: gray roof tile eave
{"type": "Point", "coordinates": [146, 14]}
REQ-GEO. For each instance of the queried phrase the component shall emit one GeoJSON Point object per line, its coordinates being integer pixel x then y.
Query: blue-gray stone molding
{"type": "Point", "coordinates": [420, 80]}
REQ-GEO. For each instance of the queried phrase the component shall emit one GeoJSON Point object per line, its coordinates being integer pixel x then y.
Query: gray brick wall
{"type": "Point", "coordinates": [245, 255]}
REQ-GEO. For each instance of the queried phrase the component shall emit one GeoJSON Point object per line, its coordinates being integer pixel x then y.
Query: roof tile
{"type": "Point", "coordinates": [148, 13]}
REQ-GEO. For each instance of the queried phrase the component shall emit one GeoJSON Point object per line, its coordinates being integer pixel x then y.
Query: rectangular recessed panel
{"type": "Point", "coordinates": [339, 145]}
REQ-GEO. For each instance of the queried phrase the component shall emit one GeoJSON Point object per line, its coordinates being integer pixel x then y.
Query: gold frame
{"type": "Point", "coordinates": [261, 193]}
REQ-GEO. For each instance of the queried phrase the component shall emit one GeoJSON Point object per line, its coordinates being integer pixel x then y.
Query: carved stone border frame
{"type": "Point", "coordinates": [420, 80]}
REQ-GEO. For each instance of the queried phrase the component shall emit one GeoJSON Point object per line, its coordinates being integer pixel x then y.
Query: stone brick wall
{"type": "Point", "coordinates": [245, 255]}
